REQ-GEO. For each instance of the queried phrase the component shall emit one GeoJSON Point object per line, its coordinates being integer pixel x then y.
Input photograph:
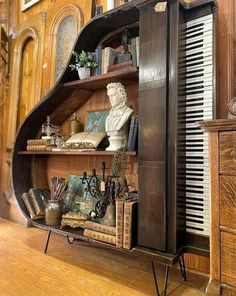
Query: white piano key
{"type": "Point", "coordinates": [202, 19]}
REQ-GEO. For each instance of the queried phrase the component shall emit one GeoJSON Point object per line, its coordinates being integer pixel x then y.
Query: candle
{"type": "Point", "coordinates": [102, 186]}
{"type": "Point", "coordinates": [94, 172]}
{"type": "Point", "coordinates": [110, 4]}
{"type": "Point", "coordinates": [84, 175]}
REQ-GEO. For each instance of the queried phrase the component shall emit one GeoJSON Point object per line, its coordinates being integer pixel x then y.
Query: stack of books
{"type": "Point", "coordinates": [35, 201]}
{"type": "Point", "coordinates": [105, 57]}
{"type": "Point", "coordinates": [39, 145]}
{"type": "Point", "coordinates": [124, 234]}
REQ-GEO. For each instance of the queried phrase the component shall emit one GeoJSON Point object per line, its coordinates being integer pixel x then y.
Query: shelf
{"type": "Point", "coordinates": [77, 234]}
{"type": "Point", "coordinates": [125, 76]}
{"type": "Point", "coordinates": [96, 153]}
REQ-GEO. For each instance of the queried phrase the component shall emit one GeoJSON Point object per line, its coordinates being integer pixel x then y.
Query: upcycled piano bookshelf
{"type": "Point", "coordinates": [173, 88]}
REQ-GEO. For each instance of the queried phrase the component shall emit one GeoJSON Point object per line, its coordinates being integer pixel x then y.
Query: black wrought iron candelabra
{"type": "Point", "coordinates": [105, 189]}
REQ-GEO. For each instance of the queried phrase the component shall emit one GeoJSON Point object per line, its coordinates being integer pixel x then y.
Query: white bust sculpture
{"type": "Point", "coordinates": [116, 121]}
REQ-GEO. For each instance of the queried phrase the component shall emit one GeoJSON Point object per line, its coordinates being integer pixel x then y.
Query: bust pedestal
{"type": "Point", "coordinates": [117, 139]}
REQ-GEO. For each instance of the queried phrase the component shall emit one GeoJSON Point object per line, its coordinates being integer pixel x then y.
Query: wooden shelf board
{"type": "Point", "coordinates": [96, 153]}
{"type": "Point", "coordinates": [158, 256]}
{"type": "Point", "coordinates": [126, 76]}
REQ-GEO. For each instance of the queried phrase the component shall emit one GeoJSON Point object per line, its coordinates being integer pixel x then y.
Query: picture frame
{"type": "Point", "coordinates": [95, 121]}
{"type": "Point", "coordinates": [25, 4]}
{"type": "Point", "coordinates": [76, 198]}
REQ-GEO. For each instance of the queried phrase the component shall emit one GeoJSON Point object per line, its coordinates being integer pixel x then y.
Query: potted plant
{"type": "Point", "coordinates": [84, 62]}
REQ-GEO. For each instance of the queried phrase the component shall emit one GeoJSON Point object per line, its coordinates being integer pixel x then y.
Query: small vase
{"type": "Point", "coordinates": [110, 215]}
{"type": "Point", "coordinates": [53, 212]}
{"type": "Point", "coordinates": [84, 73]}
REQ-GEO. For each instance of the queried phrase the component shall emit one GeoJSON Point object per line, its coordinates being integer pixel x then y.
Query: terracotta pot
{"type": "Point", "coordinates": [53, 212]}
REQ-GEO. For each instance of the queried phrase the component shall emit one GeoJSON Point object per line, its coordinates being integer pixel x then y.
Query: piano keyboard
{"type": "Point", "coordinates": [195, 103]}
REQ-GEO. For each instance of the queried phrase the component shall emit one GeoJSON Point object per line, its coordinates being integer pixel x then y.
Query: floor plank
{"type": "Point", "coordinates": [79, 269]}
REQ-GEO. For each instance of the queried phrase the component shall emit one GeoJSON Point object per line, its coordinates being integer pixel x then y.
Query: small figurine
{"type": "Point", "coordinates": [74, 125]}
{"type": "Point", "coordinates": [47, 129]}
{"type": "Point", "coordinates": [125, 41]}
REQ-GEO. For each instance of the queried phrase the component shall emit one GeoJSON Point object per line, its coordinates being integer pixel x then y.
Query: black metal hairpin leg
{"type": "Point", "coordinates": [155, 279]}
{"type": "Point", "coordinates": [182, 267]}
{"type": "Point", "coordinates": [48, 238]}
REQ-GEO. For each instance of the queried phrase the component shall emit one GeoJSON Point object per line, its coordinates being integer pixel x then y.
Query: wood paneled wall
{"type": "Point", "coordinates": [40, 17]}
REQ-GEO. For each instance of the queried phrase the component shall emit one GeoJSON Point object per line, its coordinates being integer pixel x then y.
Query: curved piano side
{"type": "Point", "coordinates": [88, 39]}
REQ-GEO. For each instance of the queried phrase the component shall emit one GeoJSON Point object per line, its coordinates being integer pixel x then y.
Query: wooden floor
{"type": "Point", "coordinates": [79, 269]}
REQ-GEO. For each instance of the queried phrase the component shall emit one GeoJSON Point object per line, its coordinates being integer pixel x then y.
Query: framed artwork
{"type": "Point", "coordinates": [76, 198]}
{"type": "Point", "coordinates": [25, 4]}
{"type": "Point", "coordinates": [95, 121]}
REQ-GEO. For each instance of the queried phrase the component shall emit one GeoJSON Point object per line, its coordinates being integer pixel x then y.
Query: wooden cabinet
{"type": "Point", "coordinates": [222, 137]}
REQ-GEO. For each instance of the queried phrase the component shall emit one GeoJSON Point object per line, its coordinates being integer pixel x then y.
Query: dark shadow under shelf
{"type": "Point", "coordinates": [90, 153]}
{"type": "Point", "coordinates": [125, 76]}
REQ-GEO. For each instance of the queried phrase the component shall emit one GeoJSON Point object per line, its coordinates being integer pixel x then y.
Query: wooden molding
{"type": "Point", "coordinates": [68, 10]}
{"type": "Point", "coordinates": [15, 78]}
{"type": "Point", "coordinates": [215, 206]}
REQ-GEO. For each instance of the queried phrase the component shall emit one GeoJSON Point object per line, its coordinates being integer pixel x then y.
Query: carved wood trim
{"type": "Point", "coordinates": [15, 79]}
{"type": "Point", "coordinates": [213, 285]}
{"type": "Point", "coordinates": [68, 10]}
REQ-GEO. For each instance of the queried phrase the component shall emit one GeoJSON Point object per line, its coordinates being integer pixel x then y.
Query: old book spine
{"type": "Point", "coordinates": [100, 236]}
{"type": "Point", "coordinates": [39, 199]}
{"type": "Point", "coordinates": [119, 223]}
{"type": "Point", "coordinates": [130, 212]}
{"type": "Point", "coordinates": [98, 56]}
{"type": "Point", "coordinates": [134, 144]}
{"type": "Point", "coordinates": [36, 147]}
{"type": "Point", "coordinates": [133, 52]}
{"type": "Point", "coordinates": [137, 49]}
{"type": "Point", "coordinates": [29, 206]}
{"type": "Point", "coordinates": [100, 228]}
{"type": "Point", "coordinates": [131, 132]}
{"type": "Point", "coordinates": [35, 142]}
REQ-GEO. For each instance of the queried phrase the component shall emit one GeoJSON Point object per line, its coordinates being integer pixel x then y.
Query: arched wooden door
{"type": "Point", "coordinates": [26, 102]}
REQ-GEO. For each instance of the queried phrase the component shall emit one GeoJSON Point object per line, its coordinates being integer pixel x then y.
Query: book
{"type": "Point", "coordinates": [119, 223]}
{"type": "Point", "coordinates": [134, 142]}
{"type": "Point", "coordinates": [133, 52]}
{"type": "Point", "coordinates": [100, 228]}
{"type": "Point", "coordinates": [98, 57]}
{"type": "Point", "coordinates": [121, 66]}
{"type": "Point", "coordinates": [40, 197]}
{"type": "Point", "coordinates": [109, 55]}
{"type": "Point", "coordinates": [131, 132]}
{"type": "Point", "coordinates": [137, 49]}
{"type": "Point", "coordinates": [38, 148]}
{"type": "Point", "coordinates": [130, 224]}
{"type": "Point", "coordinates": [27, 199]}
{"type": "Point", "coordinates": [103, 237]}
{"type": "Point", "coordinates": [84, 140]}
{"type": "Point", "coordinates": [35, 142]}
